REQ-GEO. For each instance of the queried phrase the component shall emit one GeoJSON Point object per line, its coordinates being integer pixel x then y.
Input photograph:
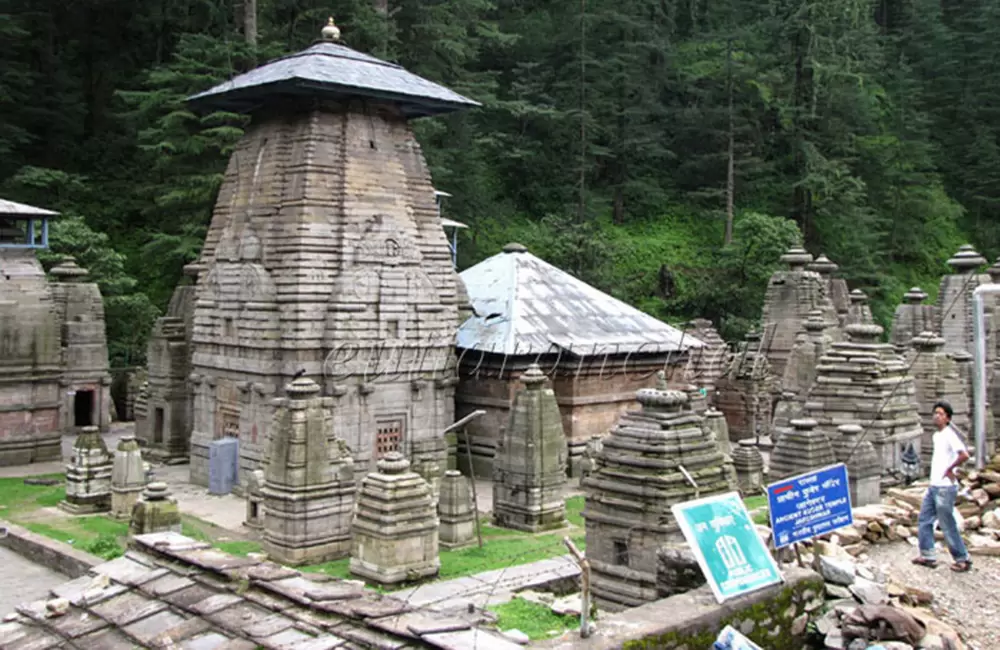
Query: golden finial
{"type": "Point", "coordinates": [331, 32]}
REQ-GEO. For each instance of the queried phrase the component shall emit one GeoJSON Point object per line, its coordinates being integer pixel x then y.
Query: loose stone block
{"type": "Point", "coordinates": [156, 512]}
{"type": "Point", "coordinates": [529, 469]}
{"type": "Point", "coordinates": [456, 511]}
{"type": "Point", "coordinates": [395, 528]}
{"type": "Point", "coordinates": [128, 477]}
{"type": "Point", "coordinates": [309, 485]}
{"type": "Point", "coordinates": [88, 475]}
{"type": "Point", "coordinates": [637, 479]}
{"type": "Point", "coordinates": [800, 449]}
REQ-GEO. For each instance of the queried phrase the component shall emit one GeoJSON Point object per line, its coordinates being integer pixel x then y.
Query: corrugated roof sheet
{"type": "Point", "coordinates": [333, 70]}
{"type": "Point", "coordinates": [526, 306]}
{"type": "Point", "coordinates": [13, 208]}
{"type": "Point", "coordinates": [170, 591]}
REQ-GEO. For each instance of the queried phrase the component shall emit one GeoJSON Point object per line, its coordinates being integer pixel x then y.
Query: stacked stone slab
{"type": "Point", "coordinates": [637, 479]}
{"type": "Point", "coordinates": [911, 319]}
{"type": "Point", "coordinates": [801, 448]}
{"type": "Point", "coordinates": [88, 475]}
{"type": "Point", "coordinates": [954, 304]}
{"type": "Point", "coordinates": [165, 425]}
{"type": "Point", "coordinates": [326, 255]}
{"type": "Point", "coordinates": [860, 313]}
{"type": "Point", "coordinates": [744, 391]}
{"type": "Point", "coordinates": [156, 512]}
{"type": "Point", "coordinates": [529, 468]}
{"type": "Point", "coordinates": [864, 381]}
{"type": "Point", "coordinates": [749, 467]}
{"type": "Point", "coordinates": [309, 482]}
{"type": "Point", "coordinates": [864, 468]}
{"type": "Point", "coordinates": [395, 529]}
{"type": "Point", "coordinates": [707, 364]}
{"type": "Point", "coordinates": [128, 477]}
{"type": "Point", "coordinates": [456, 511]}
{"type": "Point", "coordinates": [836, 289]}
{"type": "Point", "coordinates": [935, 376]}
{"type": "Point", "coordinates": [791, 295]}
{"type": "Point", "coordinates": [800, 373]}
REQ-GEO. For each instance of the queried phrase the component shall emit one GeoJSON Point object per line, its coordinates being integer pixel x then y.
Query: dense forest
{"type": "Point", "coordinates": [667, 151]}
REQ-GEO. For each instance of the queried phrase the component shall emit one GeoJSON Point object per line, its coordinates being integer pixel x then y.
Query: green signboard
{"type": "Point", "coordinates": [722, 536]}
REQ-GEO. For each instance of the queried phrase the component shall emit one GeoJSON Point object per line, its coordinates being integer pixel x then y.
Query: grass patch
{"type": "Point", "coordinates": [537, 621]}
{"type": "Point", "coordinates": [574, 508]}
{"type": "Point", "coordinates": [239, 548]}
{"type": "Point", "coordinates": [16, 496]}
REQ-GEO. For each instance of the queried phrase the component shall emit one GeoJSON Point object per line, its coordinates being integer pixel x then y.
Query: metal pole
{"type": "Point", "coordinates": [584, 586]}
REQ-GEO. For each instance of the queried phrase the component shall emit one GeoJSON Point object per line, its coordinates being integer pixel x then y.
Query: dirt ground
{"type": "Point", "coordinates": [969, 602]}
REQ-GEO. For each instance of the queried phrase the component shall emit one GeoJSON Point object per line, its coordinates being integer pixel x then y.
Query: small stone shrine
{"type": "Point", "coordinates": [863, 380]}
{"type": "Point", "coordinates": [801, 448]}
{"type": "Point", "coordinates": [395, 529]}
{"type": "Point", "coordinates": [456, 511]}
{"type": "Point", "coordinates": [743, 393]}
{"type": "Point", "coordinates": [791, 295]}
{"type": "Point", "coordinates": [165, 424]}
{"type": "Point", "coordinates": [935, 377]}
{"type": "Point", "coordinates": [706, 364]}
{"type": "Point", "coordinates": [912, 317]}
{"type": "Point", "coordinates": [88, 475]}
{"type": "Point", "coordinates": [716, 422]}
{"type": "Point", "coordinates": [254, 494]}
{"type": "Point", "coordinates": [800, 373]}
{"type": "Point", "coordinates": [309, 482]}
{"type": "Point", "coordinates": [638, 477]}
{"type": "Point", "coordinates": [864, 469]}
{"type": "Point", "coordinates": [529, 469]}
{"type": "Point", "coordinates": [128, 477]}
{"type": "Point", "coordinates": [954, 303]}
{"type": "Point", "coordinates": [860, 312]}
{"type": "Point", "coordinates": [749, 467]}
{"type": "Point", "coordinates": [836, 290]}
{"type": "Point", "coordinates": [156, 512]}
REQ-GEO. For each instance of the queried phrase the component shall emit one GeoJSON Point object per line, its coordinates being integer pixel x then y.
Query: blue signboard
{"type": "Point", "coordinates": [725, 541]}
{"type": "Point", "coordinates": [808, 505]}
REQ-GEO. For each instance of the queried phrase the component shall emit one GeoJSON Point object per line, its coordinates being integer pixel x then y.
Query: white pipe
{"type": "Point", "coordinates": [979, 368]}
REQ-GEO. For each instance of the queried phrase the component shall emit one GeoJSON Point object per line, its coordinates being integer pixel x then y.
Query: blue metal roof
{"type": "Point", "coordinates": [331, 70]}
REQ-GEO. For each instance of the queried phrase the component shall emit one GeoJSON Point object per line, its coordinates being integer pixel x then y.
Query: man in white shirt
{"type": "Point", "coordinates": [939, 501]}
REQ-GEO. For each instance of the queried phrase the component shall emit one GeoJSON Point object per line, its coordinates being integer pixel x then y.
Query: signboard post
{"type": "Point", "coordinates": [809, 505]}
{"type": "Point", "coordinates": [723, 538]}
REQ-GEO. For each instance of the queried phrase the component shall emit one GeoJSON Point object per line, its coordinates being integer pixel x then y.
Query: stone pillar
{"type": "Point", "coordinates": [529, 469]}
{"type": "Point", "coordinates": [836, 291]}
{"type": "Point", "coordinates": [749, 467]}
{"type": "Point", "coordinates": [954, 305]}
{"type": "Point", "coordinates": [156, 512]}
{"type": "Point", "coordinates": [429, 458]}
{"type": "Point", "coordinates": [863, 467]}
{"type": "Point", "coordinates": [128, 477]}
{"type": "Point", "coordinates": [456, 511]}
{"type": "Point", "coordinates": [309, 483]}
{"type": "Point", "coordinates": [964, 410]}
{"type": "Point", "coordinates": [629, 495]}
{"type": "Point", "coordinates": [395, 528]}
{"type": "Point", "coordinates": [800, 449]}
{"type": "Point", "coordinates": [88, 474]}
{"type": "Point", "coordinates": [936, 376]}
{"type": "Point", "coordinates": [255, 499]}
{"type": "Point", "coordinates": [716, 423]}
{"type": "Point", "coordinates": [911, 318]}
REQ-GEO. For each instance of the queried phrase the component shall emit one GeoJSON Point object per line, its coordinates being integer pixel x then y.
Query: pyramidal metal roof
{"type": "Point", "coordinates": [15, 209]}
{"type": "Point", "coordinates": [526, 306]}
{"type": "Point", "coordinates": [328, 69]}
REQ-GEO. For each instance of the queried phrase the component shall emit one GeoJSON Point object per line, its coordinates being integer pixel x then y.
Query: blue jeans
{"type": "Point", "coordinates": [939, 504]}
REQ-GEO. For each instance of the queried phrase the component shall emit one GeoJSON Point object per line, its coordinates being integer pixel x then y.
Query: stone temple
{"type": "Point", "coordinates": [53, 352]}
{"type": "Point", "coordinates": [326, 258]}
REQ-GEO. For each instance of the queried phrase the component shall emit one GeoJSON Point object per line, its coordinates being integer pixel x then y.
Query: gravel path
{"type": "Point", "coordinates": [969, 602]}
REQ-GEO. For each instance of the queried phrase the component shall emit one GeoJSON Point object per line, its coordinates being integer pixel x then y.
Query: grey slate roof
{"type": "Point", "coordinates": [170, 591]}
{"type": "Point", "coordinates": [526, 306]}
{"type": "Point", "coordinates": [328, 69]}
{"type": "Point", "coordinates": [14, 209]}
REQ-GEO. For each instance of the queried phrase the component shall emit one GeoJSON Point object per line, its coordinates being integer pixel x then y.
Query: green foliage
{"type": "Point", "coordinates": [537, 621]}
{"type": "Point", "coordinates": [105, 547]}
